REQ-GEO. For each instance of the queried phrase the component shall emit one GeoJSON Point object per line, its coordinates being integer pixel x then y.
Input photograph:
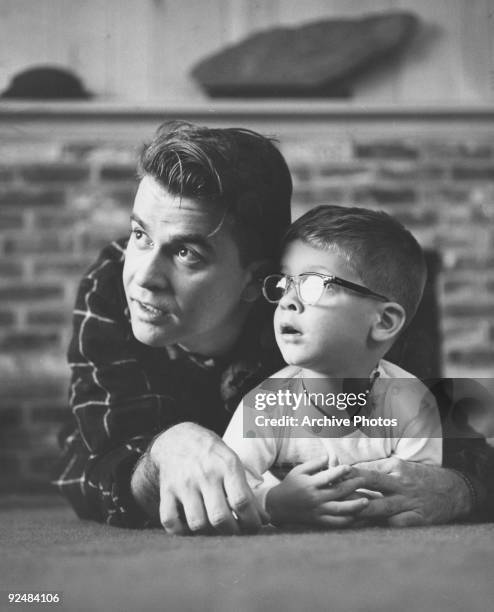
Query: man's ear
{"type": "Point", "coordinates": [257, 271]}
{"type": "Point", "coordinates": [389, 322]}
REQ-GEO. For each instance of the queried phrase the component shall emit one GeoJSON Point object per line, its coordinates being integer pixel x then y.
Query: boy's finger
{"type": "Point", "coordinates": [328, 477]}
{"type": "Point", "coordinates": [313, 466]}
{"type": "Point", "coordinates": [342, 508]}
{"type": "Point", "coordinates": [334, 521]}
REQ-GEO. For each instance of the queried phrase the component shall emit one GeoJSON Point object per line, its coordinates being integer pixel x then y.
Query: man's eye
{"type": "Point", "coordinates": [188, 256]}
{"type": "Point", "coordinates": [140, 237]}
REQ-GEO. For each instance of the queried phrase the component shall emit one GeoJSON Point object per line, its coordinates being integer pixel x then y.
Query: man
{"type": "Point", "coordinates": [169, 334]}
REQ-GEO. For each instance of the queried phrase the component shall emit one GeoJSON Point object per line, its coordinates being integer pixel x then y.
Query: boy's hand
{"type": "Point", "coordinates": [312, 494]}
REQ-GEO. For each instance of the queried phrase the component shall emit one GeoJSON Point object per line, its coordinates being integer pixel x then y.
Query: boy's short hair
{"type": "Point", "coordinates": [385, 255]}
{"type": "Point", "coordinates": [236, 168]}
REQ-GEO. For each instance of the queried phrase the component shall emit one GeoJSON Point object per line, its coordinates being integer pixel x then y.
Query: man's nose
{"type": "Point", "coordinates": [290, 299]}
{"type": "Point", "coordinates": [153, 272]}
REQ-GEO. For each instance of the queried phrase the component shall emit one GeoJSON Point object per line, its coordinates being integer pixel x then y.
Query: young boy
{"type": "Point", "coordinates": [351, 280]}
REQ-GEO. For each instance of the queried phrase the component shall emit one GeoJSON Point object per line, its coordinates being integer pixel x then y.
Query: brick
{"type": "Point", "coordinates": [38, 197]}
{"type": "Point", "coordinates": [119, 172]}
{"type": "Point", "coordinates": [43, 464]}
{"type": "Point", "coordinates": [452, 150]}
{"type": "Point", "coordinates": [26, 341]}
{"type": "Point", "coordinates": [10, 221]}
{"type": "Point", "coordinates": [26, 293]}
{"type": "Point", "coordinates": [343, 170]}
{"type": "Point", "coordinates": [411, 219]}
{"type": "Point", "coordinates": [410, 171]}
{"type": "Point", "coordinates": [472, 357]}
{"type": "Point", "coordinates": [55, 173]}
{"type": "Point", "coordinates": [123, 197]}
{"type": "Point", "coordinates": [473, 173]}
{"type": "Point", "coordinates": [6, 318]}
{"type": "Point", "coordinates": [474, 309]}
{"type": "Point", "coordinates": [40, 242]}
{"type": "Point", "coordinates": [78, 151]}
{"type": "Point", "coordinates": [65, 267]}
{"type": "Point", "coordinates": [300, 172]}
{"type": "Point", "coordinates": [50, 414]}
{"type": "Point", "coordinates": [10, 269]}
{"type": "Point", "coordinates": [6, 174]}
{"type": "Point", "coordinates": [58, 219]}
{"type": "Point", "coordinates": [475, 264]}
{"type": "Point", "coordinates": [48, 317]}
{"type": "Point", "coordinates": [385, 149]}
{"type": "Point", "coordinates": [10, 466]}
{"type": "Point", "coordinates": [10, 417]}
{"type": "Point", "coordinates": [382, 195]}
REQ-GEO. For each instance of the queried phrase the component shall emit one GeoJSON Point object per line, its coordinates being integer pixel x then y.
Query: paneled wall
{"type": "Point", "coordinates": [142, 50]}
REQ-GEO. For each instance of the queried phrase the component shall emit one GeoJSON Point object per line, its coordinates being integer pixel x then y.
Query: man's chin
{"type": "Point", "coordinates": [153, 337]}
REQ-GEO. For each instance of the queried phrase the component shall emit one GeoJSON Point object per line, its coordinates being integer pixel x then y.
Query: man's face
{"type": "Point", "coordinates": [183, 280]}
{"type": "Point", "coordinates": [331, 336]}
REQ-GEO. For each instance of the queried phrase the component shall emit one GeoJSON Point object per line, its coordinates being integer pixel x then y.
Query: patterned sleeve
{"type": "Point", "coordinates": [116, 413]}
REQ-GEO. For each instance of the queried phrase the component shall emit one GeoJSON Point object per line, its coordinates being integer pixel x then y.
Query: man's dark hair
{"type": "Point", "coordinates": [375, 246]}
{"type": "Point", "coordinates": [235, 168]}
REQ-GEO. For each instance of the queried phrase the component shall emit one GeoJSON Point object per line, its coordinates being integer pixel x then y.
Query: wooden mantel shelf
{"type": "Point", "coordinates": [131, 121]}
{"type": "Point", "coordinates": [254, 108]}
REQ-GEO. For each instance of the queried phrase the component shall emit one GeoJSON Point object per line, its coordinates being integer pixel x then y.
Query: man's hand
{"type": "Point", "coordinates": [194, 483]}
{"type": "Point", "coordinates": [414, 493]}
{"type": "Point", "coordinates": [310, 496]}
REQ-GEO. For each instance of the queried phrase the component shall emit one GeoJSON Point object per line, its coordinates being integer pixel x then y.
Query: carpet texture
{"type": "Point", "coordinates": [95, 567]}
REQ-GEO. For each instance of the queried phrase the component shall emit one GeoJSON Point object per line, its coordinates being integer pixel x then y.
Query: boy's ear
{"type": "Point", "coordinates": [257, 271]}
{"type": "Point", "coordinates": [389, 322]}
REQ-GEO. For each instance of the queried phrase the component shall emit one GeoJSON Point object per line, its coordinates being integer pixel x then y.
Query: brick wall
{"type": "Point", "coordinates": [62, 198]}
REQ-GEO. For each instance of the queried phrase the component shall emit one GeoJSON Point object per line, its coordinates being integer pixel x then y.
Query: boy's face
{"type": "Point", "coordinates": [182, 284]}
{"type": "Point", "coordinates": [331, 336]}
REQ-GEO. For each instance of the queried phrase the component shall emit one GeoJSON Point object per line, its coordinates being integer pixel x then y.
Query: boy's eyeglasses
{"type": "Point", "coordinates": [310, 287]}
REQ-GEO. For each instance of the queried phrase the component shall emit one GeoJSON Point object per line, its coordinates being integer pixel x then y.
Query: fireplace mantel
{"type": "Point", "coordinates": [125, 121]}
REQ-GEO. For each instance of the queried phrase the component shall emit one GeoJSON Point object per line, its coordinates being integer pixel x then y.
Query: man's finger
{"type": "Point", "coordinates": [313, 466]}
{"type": "Point", "coordinates": [170, 515]}
{"type": "Point", "coordinates": [385, 507]}
{"type": "Point", "coordinates": [195, 512]}
{"type": "Point", "coordinates": [327, 477]}
{"type": "Point", "coordinates": [242, 502]}
{"type": "Point", "coordinates": [219, 512]}
{"type": "Point", "coordinates": [406, 519]}
{"type": "Point", "coordinates": [376, 465]}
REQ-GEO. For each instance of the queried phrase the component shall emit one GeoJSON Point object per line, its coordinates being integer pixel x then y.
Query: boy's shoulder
{"type": "Point", "coordinates": [391, 370]}
{"type": "Point", "coordinates": [289, 371]}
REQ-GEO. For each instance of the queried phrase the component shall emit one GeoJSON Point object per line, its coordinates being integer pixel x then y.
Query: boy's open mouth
{"type": "Point", "coordinates": [286, 328]}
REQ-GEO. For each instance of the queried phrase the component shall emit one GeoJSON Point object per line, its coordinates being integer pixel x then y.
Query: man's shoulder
{"type": "Point", "coordinates": [109, 261]}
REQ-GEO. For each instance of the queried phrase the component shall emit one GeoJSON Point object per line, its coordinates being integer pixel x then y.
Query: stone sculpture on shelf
{"type": "Point", "coordinates": [46, 83]}
{"type": "Point", "coordinates": [319, 59]}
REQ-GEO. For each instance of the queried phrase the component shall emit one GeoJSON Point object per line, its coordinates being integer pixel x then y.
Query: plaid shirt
{"type": "Point", "coordinates": [123, 393]}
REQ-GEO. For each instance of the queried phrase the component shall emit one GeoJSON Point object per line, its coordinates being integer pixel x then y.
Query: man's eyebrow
{"type": "Point", "coordinates": [137, 219]}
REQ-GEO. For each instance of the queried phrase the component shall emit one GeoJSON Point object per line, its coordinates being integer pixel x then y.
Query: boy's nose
{"type": "Point", "coordinates": [290, 299]}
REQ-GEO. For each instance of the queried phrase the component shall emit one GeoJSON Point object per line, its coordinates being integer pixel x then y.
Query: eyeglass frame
{"type": "Point", "coordinates": [329, 279]}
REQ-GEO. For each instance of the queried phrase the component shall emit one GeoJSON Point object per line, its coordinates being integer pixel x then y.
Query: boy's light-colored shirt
{"type": "Point", "coordinates": [413, 432]}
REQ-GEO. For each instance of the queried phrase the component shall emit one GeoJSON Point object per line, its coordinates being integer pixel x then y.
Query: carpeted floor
{"type": "Point", "coordinates": [45, 547]}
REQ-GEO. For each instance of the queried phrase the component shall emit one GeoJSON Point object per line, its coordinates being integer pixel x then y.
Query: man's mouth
{"type": "Point", "coordinates": [150, 310]}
